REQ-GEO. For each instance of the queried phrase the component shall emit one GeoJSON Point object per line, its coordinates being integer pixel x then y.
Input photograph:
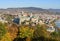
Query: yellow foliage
{"type": "Point", "coordinates": [6, 37]}
{"type": "Point", "coordinates": [26, 32]}
{"type": "Point", "coordinates": [13, 31]}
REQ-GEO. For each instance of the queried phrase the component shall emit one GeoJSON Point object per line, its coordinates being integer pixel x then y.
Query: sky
{"type": "Point", "coordinates": [46, 4]}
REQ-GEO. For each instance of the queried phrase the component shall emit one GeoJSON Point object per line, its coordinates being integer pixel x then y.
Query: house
{"type": "Point", "coordinates": [33, 24]}
{"type": "Point", "coordinates": [16, 20]}
{"type": "Point", "coordinates": [51, 29]}
{"type": "Point", "coordinates": [26, 23]}
{"type": "Point", "coordinates": [3, 20]}
{"type": "Point", "coordinates": [41, 22]}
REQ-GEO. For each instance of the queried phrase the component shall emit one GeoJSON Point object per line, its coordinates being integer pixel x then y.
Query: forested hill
{"type": "Point", "coordinates": [29, 9]}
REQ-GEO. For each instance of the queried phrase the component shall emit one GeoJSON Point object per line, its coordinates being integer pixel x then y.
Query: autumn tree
{"type": "Point", "coordinates": [26, 32]}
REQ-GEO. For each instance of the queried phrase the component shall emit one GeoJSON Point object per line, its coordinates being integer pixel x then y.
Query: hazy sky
{"type": "Point", "coordinates": [30, 3]}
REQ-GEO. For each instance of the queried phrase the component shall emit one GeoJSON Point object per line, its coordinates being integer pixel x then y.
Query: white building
{"type": "Point", "coordinates": [3, 21]}
{"type": "Point", "coordinates": [51, 29]}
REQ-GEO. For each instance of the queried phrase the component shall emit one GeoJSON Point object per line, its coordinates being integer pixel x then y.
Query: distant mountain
{"type": "Point", "coordinates": [28, 9]}
{"type": "Point", "coordinates": [34, 10]}
{"type": "Point", "coordinates": [54, 10]}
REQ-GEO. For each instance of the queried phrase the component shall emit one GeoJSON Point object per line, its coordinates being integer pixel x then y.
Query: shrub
{"type": "Point", "coordinates": [6, 37]}
{"type": "Point", "coordinates": [26, 32]}
{"type": "Point", "coordinates": [2, 30]}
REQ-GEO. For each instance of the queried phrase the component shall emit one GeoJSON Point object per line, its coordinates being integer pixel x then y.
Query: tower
{"type": "Point", "coordinates": [31, 15]}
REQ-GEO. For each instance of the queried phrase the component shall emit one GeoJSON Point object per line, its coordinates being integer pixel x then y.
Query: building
{"type": "Point", "coordinates": [51, 29]}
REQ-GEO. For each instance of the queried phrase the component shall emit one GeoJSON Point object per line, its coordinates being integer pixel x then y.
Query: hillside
{"type": "Point", "coordinates": [34, 10]}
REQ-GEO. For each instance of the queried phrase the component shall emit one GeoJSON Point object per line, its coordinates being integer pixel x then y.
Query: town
{"type": "Point", "coordinates": [31, 19]}
{"type": "Point", "coordinates": [24, 23]}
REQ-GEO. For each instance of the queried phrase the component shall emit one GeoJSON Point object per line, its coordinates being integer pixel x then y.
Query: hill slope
{"type": "Point", "coordinates": [29, 9]}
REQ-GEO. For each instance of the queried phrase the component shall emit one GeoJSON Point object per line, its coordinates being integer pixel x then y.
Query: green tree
{"type": "Point", "coordinates": [26, 32]}
{"type": "Point", "coordinates": [2, 30]}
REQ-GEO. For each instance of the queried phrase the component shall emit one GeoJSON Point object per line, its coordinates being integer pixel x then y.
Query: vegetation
{"type": "Point", "coordinates": [27, 33]}
{"type": "Point", "coordinates": [2, 30]}
{"type": "Point", "coordinates": [6, 37]}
